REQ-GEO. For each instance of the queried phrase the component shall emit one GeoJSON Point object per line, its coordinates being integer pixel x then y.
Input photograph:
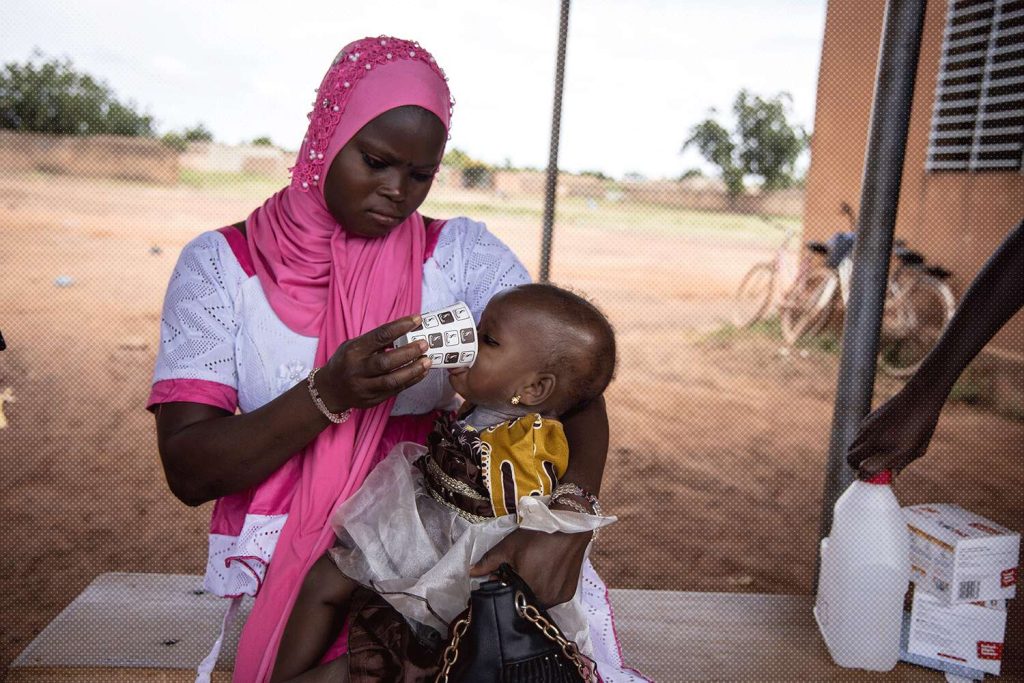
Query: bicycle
{"type": "Point", "coordinates": [918, 302]}
{"type": "Point", "coordinates": [754, 296]}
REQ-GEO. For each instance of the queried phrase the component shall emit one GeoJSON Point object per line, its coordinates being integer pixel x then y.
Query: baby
{"type": "Point", "coordinates": [426, 514]}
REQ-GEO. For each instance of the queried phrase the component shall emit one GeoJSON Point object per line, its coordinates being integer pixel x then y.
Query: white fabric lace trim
{"type": "Point", "coordinates": [198, 319]}
{"type": "Point", "coordinates": [604, 640]}
{"type": "Point", "coordinates": [236, 565]}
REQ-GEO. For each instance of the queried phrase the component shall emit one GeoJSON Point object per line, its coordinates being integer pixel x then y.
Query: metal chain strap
{"type": "Point", "coordinates": [551, 632]}
{"type": "Point", "coordinates": [527, 611]}
{"type": "Point", "coordinates": [451, 653]}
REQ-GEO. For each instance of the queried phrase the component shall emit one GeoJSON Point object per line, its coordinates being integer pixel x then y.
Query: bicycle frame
{"type": "Point", "coordinates": [784, 267]}
{"type": "Point", "coordinates": [909, 324]}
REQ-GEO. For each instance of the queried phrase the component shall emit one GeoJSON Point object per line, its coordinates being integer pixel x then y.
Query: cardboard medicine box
{"type": "Point", "coordinates": [961, 557]}
{"type": "Point", "coordinates": [966, 635]}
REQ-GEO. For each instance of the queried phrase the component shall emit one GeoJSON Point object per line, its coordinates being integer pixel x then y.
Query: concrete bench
{"type": "Point", "coordinates": [157, 627]}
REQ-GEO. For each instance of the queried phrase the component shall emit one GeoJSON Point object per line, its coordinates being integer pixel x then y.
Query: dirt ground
{"type": "Point", "coordinates": [718, 438]}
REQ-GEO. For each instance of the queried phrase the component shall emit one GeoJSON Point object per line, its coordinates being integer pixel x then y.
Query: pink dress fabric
{"type": "Point", "coordinates": [321, 281]}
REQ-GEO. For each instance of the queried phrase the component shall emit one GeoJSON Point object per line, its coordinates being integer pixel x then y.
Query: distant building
{"type": "Point", "coordinates": [261, 160]}
{"type": "Point", "coordinates": [963, 187]}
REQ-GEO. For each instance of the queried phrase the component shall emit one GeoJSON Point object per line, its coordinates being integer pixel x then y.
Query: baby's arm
{"type": "Point", "coordinates": [315, 621]}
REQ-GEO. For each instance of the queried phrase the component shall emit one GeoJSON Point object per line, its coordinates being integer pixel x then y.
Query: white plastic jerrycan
{"type": "Point", "coordinates": [865, 570]}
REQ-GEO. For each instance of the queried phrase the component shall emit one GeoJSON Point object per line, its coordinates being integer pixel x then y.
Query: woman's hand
{"type": "Point", "coordinates": [896, 433]}
{"type": "Point", "coordinates": [549, 563]}
{"type": "Point", "coordinates": [366, 370]}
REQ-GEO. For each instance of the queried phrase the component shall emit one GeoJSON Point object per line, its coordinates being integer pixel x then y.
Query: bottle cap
{"type": "Point", "coordinates": [884, 478]}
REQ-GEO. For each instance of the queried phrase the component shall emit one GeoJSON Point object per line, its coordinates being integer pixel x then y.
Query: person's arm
{"type": "Point", "coordinates": [899, 431]}
{"type": "Point", "coordinates": [530, 553]}
{"type": "Point", "coordinates": [208, 453]}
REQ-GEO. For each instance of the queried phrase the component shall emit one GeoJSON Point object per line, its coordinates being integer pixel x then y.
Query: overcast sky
{"type": "Point", "coordinates": [639, 73]}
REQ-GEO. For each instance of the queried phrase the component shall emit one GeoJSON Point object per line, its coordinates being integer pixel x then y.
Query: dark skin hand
{"type": "Point", "coordinates": [530, 552]}
{"type": "Point", "coordinates": [899, 431]}
{"type": "Point", "coordinates": [208, 453]}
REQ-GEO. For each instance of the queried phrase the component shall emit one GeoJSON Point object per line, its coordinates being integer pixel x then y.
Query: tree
{"type": "Point", "coordinates": [479, 176]}
{"type": "Point", "coordinates": [475, 174]}
{"type": "Point", "coordinates": [456, 158]}
{"type": "Point", "coordinates": [175, 141]}
{"type": "Point", "coordinates": [262, 141]}
{"type": "Point", "coordinates": [197, 133]}
{"type": "Point", "coordinates": [53, 97]}
{"type": "Point", "coordinates": [764, 144]}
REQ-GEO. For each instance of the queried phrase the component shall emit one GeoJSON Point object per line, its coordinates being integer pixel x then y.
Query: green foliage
{"type": "Point", "coordinates": [456, 158]}
{"type": "Point", "coordinates": [263, 141]}
{"type": "Point", "coordinates": [595, 174]}
{"type": "Point", "coordinates": [178, 141]}
{"type": "Point", "coordinates": [197, 133]}
{"type": "Point", "coordinates": [727, 332]}
{"type": "Point", "coordinates": [477, 176]}
{"type": "Point", "coordinates": [175, 141]}
{"type": "Point", "coordinates": [51, 96]}
{"type": "Point", "coordinates": [764, 144]}
{"type": "Point", "coordinates": [691, 173]}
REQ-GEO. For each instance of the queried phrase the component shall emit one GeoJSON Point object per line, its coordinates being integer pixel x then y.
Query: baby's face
{"type": "Point", "coordinates": [507, 355]}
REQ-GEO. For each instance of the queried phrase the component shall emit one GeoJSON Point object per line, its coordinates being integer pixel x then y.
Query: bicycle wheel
{"type": "Point", "coordinates": [915, 315]}
{"type": "Point", "coordinates": [808, 304]}
{"type": "Point", "coordinates": [754, 294]}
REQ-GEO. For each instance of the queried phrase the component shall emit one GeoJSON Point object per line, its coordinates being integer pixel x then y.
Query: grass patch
{"type": "Point", "coordinates": [607, 215]}
{"type": "Point", "coordinates": [826, 342]}
{"type": "Point", "coordinates": [765, 327]}
{"type": "Point", "coordinates": [768, 327]}
{"type": "Point", "coordinates": [234, 183]}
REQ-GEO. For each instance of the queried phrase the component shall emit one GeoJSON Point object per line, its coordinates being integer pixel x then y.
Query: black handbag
{"type": "Point", "coordinates": [503, 637]}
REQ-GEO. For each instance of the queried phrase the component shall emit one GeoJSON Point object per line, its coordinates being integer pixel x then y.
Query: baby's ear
{"type": "Point", "coordinates": [539, 390]}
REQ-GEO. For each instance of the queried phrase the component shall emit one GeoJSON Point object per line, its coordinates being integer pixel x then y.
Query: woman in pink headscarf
{"type": "Point", "coordinates": [273, 393]}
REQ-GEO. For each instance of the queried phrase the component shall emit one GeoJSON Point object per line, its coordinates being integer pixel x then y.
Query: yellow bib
{"type": "Point", "coordinates": [523, 457]}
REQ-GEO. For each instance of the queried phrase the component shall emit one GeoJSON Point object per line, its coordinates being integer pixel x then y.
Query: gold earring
{"type": "Point", "coordinates": [516, 399]}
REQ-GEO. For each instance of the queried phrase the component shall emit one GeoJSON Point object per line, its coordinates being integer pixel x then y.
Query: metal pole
{"type": "Point", "coordinates": [880, 194]}
{"type": "Point", "coordinates": [551, 182]}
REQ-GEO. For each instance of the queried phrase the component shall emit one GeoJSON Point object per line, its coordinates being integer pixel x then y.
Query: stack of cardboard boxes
{"type": "Point", "coordinates": [964, 569]}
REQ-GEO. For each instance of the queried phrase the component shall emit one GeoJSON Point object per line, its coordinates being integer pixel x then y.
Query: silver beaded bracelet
{"type": "Point", "coordinates": [336, 418]}
{"type": "Point", "coordinates": [561, 495]}
{"type": "Point", "coordinates": [569, 489]}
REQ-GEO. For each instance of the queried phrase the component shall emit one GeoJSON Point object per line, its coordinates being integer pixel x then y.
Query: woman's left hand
{"type": "Point", "coordinates": [531, 553]}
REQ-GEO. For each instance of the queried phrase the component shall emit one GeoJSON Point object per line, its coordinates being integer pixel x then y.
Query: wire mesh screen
{"type": "Point", "coordinates": [719, 425]}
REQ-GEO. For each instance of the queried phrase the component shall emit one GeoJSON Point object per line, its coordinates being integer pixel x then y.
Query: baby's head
{"type": "Point", "coordinates": [548, 346]}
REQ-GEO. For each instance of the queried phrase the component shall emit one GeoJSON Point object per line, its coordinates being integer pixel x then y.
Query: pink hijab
{"type": "Point", "coordinates": [322, 281]}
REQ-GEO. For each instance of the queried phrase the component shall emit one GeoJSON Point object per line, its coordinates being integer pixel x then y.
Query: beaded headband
{"type": "Point", "coordinates": [353, 63]}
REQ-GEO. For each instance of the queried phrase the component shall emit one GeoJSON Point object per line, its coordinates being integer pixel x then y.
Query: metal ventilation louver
{"type": "Point", "coordinates": [978, 116]}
